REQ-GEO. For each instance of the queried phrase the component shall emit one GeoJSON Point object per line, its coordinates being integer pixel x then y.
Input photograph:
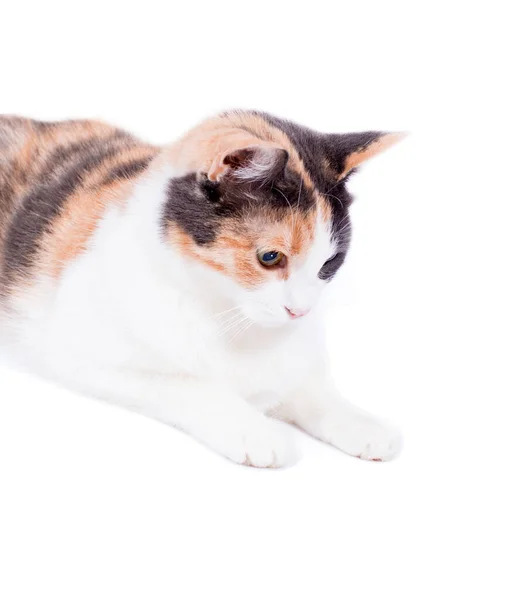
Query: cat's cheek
{"type": "Point", "coordinates": [266, 304]}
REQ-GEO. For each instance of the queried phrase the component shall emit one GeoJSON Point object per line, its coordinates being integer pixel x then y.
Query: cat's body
{"type": "Point", "coordinates": [170, 281]}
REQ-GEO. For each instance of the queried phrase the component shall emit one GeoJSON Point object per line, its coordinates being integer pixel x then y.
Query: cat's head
{"type": "Point", "coordinates": [262, 203]}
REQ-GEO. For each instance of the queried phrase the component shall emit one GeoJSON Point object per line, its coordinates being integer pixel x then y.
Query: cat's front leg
{"type": "Point", "coordinates": [213, 414]}
{"type": "Point", "coordinates": [319, 409]}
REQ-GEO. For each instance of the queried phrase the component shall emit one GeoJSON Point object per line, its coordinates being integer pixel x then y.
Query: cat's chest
{"type": "Point", "coordinates": [267, 362]}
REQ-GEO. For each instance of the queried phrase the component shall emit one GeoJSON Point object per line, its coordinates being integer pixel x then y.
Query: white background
{"type": "Point", "coordinates": [97, 503]}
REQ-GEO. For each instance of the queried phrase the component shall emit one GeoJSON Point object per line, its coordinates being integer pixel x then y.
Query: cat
{"type": "Point", "coordinates": [182, 282]}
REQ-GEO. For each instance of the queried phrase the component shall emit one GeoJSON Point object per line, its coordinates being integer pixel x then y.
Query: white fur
{"type": "Point", "coordinates": [134, 323]}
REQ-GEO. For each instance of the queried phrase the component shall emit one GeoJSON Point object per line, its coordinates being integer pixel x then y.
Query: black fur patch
{"type": "Point", "coordinates": [127, 170]}
{"type": "Point", "coordinates": [199, 206]}
{"type": "Point", "coordinates": [193, 204]}
{"type": "Point", "coordinates": [315, 149]}
{"type": "Point", "coordinates": [330, 268]}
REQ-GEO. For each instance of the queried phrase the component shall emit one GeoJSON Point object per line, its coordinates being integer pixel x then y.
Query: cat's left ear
{"type": "Point", "coordinates": [347, 151]}
{"type": "Point", "coordinates": [247, 158]}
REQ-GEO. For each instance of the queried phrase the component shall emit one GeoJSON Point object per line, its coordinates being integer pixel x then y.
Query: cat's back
{"type": "Point", "coordinates": [26, 147]}
{"type": "Point", "coordinates": [56, 180]}
{"type": "Point", "coordinates": [18, 139]}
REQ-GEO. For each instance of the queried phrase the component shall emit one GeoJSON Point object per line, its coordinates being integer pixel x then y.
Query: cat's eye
{"type": "Point", "coordinates": [270, 258]}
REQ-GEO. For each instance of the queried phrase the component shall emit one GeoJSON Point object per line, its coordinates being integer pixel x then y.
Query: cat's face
{"type": "Point", "coordinates": [263, 203]}
{"type": "Point", "coordinates": [306, 258]}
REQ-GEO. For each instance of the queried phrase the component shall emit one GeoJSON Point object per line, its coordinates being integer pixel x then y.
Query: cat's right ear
{"type": "Point", "coordinates": [261, 161]}
{"type": "Point", "coordinates": [348, 151]}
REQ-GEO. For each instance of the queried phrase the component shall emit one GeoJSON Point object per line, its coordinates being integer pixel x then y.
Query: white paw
{"type": "Point", "coordinates": [368, 438]}
{"type": "Point", "coordinates": [262, 443]}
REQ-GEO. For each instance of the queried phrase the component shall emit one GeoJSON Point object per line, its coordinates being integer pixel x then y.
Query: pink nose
{"type": "Point", "coordinates": [295, 313]}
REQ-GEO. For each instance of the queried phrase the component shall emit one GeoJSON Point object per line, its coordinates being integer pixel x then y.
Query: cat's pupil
{"type": "Point", "coordinates": [269, 256]}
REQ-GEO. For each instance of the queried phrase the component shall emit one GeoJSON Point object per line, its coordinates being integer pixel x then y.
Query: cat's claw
{"type": "Point", "coordinates": [267, 445]}
{"type": "Point", "coordinates": [369, 439]}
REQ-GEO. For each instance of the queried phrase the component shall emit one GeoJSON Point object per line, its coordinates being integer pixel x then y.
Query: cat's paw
{"type": "Point", "coordinates": [264, 444]}
{"type": "Point", "coordinates": [369, 438]}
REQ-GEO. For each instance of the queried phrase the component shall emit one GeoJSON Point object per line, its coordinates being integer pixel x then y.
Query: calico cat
{"type": "Point", "coordinates": [181, 282]}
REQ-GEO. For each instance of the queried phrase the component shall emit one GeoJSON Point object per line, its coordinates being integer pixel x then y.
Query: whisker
{"type": "Point", "coordinates": [229, 320]}
{"type": "Point", "coordinates": [225, 319]}
{"type": "Point", "coordinates": [242, 327]}
{"type": "Point", "coordinates": [232, 325]}
{"type": "Point", "coordinates": [241, 330]}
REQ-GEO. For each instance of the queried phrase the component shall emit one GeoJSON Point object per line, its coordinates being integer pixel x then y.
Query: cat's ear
{"type": "Point", "coordinates": [257, 162]}
{"type": "Point", "coordinates": [347, 151]}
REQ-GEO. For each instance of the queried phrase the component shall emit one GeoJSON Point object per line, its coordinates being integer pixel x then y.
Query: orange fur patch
{"type": "Point", "coordinates": [234, 251]}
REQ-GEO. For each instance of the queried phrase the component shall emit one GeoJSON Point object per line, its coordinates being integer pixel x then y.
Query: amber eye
{"type": "Point", "coordinates": [270, 258]}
